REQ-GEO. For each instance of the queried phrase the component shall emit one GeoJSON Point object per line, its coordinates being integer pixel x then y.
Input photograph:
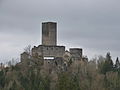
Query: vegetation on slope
{"type": "Point", "coordinates": [97, 74]}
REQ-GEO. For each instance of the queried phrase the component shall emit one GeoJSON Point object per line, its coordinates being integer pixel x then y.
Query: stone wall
{"type": "Point", "coordinates": [24, 56]}
{"type": "Point", "coordinates": [76, 53]}
{"type": "Point", "coordinates": [48, 51]}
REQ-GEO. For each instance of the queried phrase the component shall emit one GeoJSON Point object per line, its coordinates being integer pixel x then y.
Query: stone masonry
{"type": "Point", "coordinates": [49, 33]}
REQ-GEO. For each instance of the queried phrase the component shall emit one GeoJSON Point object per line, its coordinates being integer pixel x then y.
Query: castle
{"type": "Point", "coordinates": [49, 50]}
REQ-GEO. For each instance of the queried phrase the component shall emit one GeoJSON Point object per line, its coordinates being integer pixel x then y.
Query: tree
{"type": "Point", "coordinates": [2, 79]}
{"type": "Point", "coordinates": [28, 49]}
{"type": "Point", "coordinates": [117, 64]}
{"type": "Point", "coordinates": [107, 65]}
{"type": "Point", "coordinates": [109, 61]}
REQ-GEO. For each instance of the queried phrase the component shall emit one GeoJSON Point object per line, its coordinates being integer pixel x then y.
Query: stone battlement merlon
{"type": "Point", "coordinates": [49, 22]}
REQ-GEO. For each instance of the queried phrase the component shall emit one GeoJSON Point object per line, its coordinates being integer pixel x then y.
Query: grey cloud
{"type": "Point", "coordinates": [86, 23]}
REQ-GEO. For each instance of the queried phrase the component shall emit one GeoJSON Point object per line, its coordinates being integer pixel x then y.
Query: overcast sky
{"type": "Point", "coordinates": [93, 25]}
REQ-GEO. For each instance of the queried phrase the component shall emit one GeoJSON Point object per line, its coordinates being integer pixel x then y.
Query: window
{"type": "Point", "coordinates": [51, 48]}
{"type": "Point", "coordinates": [49, 58]}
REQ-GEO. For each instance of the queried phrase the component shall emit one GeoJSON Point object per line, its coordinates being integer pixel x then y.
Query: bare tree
{"type": "Point", "coordinates": [27, 49]}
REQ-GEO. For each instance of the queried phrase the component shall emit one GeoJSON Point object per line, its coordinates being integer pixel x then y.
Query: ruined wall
{"type": "Point", "coordinates": [49, 51]}
{"type": "Point", "coordinates": [24, 56]}
{"type": "Point", "coordinates": [76, 53]}
{"type": "Point", "coordinates": [49, 33]}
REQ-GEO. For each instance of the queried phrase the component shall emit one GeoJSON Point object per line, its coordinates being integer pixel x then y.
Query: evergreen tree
{"type": "Point", "coordinates": [2, 79]}
{"type": "Point", "coordinates": [108, 64]}
{"type": "Point", "coordinates": [117, 64]}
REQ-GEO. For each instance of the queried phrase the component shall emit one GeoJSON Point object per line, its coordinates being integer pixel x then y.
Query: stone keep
{"type": "Point", "coordinates": [49, 47]}
{"type": "Point", "coordinates": [49, 33]}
